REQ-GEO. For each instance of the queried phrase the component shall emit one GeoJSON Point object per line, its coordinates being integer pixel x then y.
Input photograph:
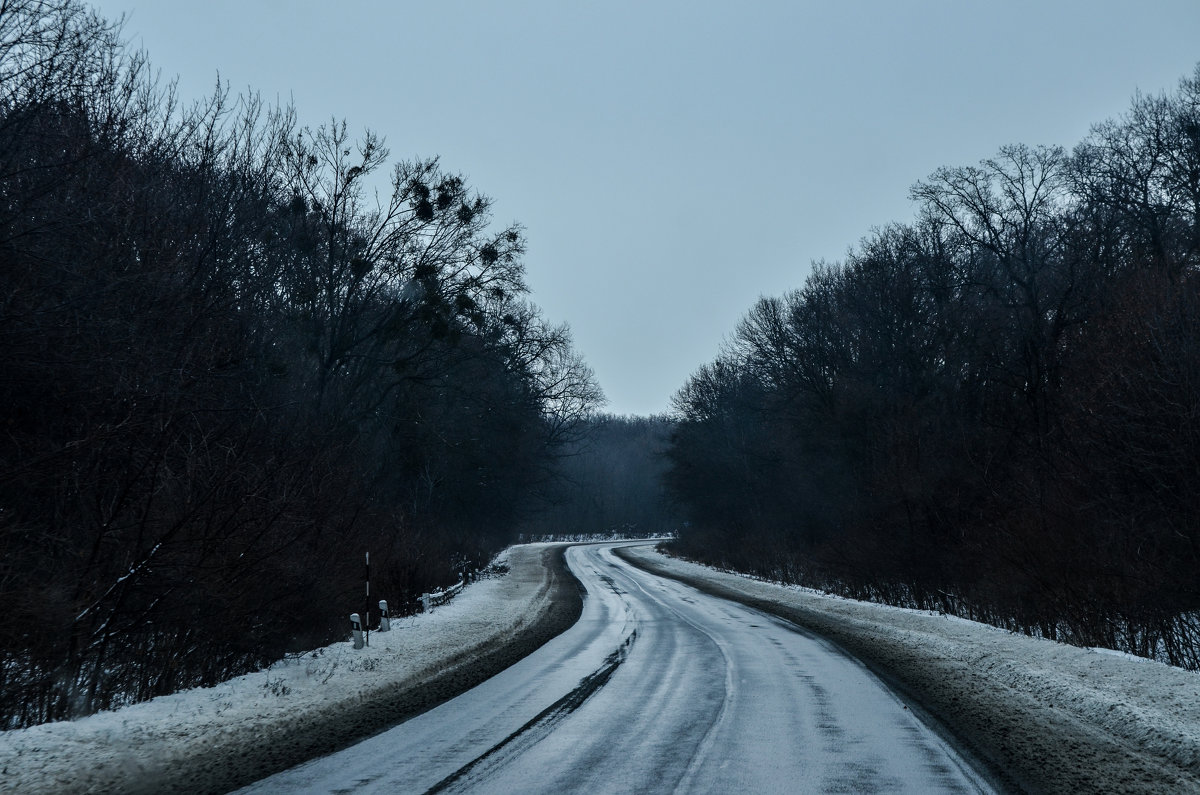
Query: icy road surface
{"type": "Point", "coordinates": [657, 688]}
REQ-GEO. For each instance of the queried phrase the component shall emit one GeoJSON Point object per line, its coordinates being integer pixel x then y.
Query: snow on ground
{"type": "Point", "coordinates": [104, 752]}
{"type": "Point", "coordinates": [1147, 704]}
{"type": "Point", "coordinates": [1052, 687]}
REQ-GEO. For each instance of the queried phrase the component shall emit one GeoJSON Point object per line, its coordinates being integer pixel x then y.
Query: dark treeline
{"type": "Point", "coordinates": [227, 374]}
{"type": "Point", "coordinates": [609, 481]}
{"type": "Point", "coordinates": [993, 410]}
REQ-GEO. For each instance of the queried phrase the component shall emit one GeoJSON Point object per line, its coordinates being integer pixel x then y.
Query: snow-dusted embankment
{"type": "Point", "coordinates": [1047, 716]}
{"type": "Point", "coordinates": [215, 739]}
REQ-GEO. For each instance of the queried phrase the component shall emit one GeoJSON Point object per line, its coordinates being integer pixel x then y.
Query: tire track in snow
{"type": "Point", "coordinates": [538, 726]}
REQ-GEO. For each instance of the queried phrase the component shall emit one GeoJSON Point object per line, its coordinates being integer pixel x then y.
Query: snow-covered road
{"type": "Point", "coordinates": [657, 688]}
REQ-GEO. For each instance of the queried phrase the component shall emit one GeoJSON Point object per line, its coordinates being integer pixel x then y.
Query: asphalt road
{"type": "Point", "coordinates": [657, 688]}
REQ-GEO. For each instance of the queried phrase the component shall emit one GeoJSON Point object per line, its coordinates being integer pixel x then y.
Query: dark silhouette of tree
{"type": "Point", "coordinates": [608, 479]}
{"type": "Point", "coordinates": [227, 374]}
{"type": "Point", "coordinates": [988, 411]}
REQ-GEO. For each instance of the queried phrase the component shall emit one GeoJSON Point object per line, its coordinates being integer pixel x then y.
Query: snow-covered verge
{"type": "Point", "coordinates": [1044, 716]}
{"type": "Point", "coordinates": [215, 739]}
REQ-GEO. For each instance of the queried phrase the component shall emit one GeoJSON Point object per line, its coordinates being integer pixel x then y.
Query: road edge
{"type": "Point", "coordinates": [326, 731]}
{"type": "Point", "coordinates": [995, 733]}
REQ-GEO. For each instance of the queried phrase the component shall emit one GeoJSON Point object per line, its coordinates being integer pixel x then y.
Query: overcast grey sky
{"type": "Point", "coordinates": [672, 161]}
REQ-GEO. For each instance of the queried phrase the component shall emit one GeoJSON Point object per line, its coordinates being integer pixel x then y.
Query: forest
{"type": "Point", "coordinates": [610, 481]}
{"type": "Point", "coordinates": [229, 371]}
{"type": "Point", "coordinates": [238, 353]}
{"type": "Point", "coordinates": [991, 411]}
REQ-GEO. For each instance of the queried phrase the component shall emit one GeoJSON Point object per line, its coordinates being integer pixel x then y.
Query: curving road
{"type": "Point", "coordinates": [657, 688]}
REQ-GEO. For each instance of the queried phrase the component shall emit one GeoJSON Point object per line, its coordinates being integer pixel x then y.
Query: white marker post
{"type": "Point", "coordinates": [356, 630]}
{"type": "Point", "coordinates": [425, 606]}
{"type": "Point", "coordinates": [385, 623]}
{"type": "Point", "coordinates": [367, 626]}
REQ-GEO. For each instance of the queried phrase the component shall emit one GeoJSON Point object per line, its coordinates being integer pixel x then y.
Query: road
{"type": "Point", "coordinates": [657, 688]}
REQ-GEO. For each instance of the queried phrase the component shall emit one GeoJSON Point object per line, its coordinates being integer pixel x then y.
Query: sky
{"type": "Point", "coordinates": [673, 161]}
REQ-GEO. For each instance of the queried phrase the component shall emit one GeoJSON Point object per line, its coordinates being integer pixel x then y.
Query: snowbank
{"type": "Point", "coordinates": [214, 739]}
{"type": "Point", "coordinates": [1046, 716]}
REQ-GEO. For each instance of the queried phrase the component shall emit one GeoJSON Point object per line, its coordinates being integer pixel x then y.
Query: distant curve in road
{"type": "Point", "coordinates": [657, 688]}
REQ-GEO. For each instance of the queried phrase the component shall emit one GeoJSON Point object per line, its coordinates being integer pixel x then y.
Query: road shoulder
{"type": "Point", "coordinates": [1003, 700]}
{"type": "Point", "coordinates": [178, 745]}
